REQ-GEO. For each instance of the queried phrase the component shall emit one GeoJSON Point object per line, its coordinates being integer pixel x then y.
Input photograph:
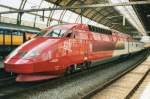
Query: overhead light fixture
{"type": "Point", "coordinates": [148, 15]}
{"type": "Point", "coordinates": [129, 13]}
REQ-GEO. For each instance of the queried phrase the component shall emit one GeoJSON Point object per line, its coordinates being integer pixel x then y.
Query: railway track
{"type": "Point", "coordinates": [5, 77]}
{"type": "Point", "coordinates": [93, 92]}
{"type": "Point", "coordinates": [130, 94]}
{"type": "Point", "coordinates": [16, 88]}
{"type": "Point", "coordinates": [4, 74]}
{"type": "Point", "coordinates": [12, 88]}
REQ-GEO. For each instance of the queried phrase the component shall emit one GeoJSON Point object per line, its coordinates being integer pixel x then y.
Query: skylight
{"type": "Point", "coordinates": [130, 15]}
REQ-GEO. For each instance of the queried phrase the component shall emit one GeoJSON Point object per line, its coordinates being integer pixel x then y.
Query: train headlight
{"type": "Point", "coordinates": [32, 54]}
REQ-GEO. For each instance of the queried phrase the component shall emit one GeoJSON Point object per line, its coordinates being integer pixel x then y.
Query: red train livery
{"type": "Point", "coordinates": [66, 49]}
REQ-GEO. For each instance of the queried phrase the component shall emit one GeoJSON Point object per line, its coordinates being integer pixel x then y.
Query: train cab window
{"type": "Point", "coordinates": [56, 33]}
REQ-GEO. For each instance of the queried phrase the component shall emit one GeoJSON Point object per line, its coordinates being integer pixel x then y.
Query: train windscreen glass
{"type": "Point", "coordinates": [56, 33]}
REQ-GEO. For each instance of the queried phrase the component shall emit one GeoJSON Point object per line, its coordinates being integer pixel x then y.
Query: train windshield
{"type": "Point", "coordinates": [56, 33]}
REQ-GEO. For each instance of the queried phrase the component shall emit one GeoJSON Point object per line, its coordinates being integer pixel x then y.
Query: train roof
{"type": "Point", "coordinates": [120, 33]}
{"type": "Point", "coordinates": [70, 25]}
{"type": "Point", "coordinates": [18, 27]}
{"type": "Point", "coordinates": [91, 28]}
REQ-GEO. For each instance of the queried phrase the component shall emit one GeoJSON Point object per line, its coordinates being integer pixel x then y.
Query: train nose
{"type": "Point", "coordinates": [19, 65]}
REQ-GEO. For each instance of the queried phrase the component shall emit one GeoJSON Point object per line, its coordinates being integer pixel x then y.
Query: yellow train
{"type": "Point", "coordinates": [12, 36]}
{"type": "Point", "coordinates": [15, 39]}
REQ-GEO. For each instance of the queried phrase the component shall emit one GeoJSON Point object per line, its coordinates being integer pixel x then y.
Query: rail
{"type": "Point", "coordinates": [109, 82]}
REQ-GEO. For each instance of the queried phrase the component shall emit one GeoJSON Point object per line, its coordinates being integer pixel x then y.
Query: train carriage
{"type": "Point", "coordinates": [67, 48]}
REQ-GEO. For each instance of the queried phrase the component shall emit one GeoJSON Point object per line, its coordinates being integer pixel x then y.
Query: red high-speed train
{"type": "Point", "coordinates": [66, 49]}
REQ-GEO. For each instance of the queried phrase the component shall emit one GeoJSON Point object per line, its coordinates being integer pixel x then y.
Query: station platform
{"type": "Point", "coordinates": [144, 89]}
{"type": "Point", "coordinates": [123, 87]}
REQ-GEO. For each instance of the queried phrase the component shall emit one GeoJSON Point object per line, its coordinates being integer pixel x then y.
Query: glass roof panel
{"type": "Point", "coordinates": [72, 17]}
{"type": "Point", "coordinates": [9, 18]}
{"type": "Point", "coordinates": [45, 4]}
{"type": "Point", "coordinates": [11, 3]}
{"type": "Point", "coordinates": [3, 9]}
{"type": "Point", "coordinates": [14, 15]}
{"type": "Point", "coordinates": [67, 16]}
{"type": "Point", "coordinates": [129, 13]}
{"type": "Point", "coordinates": [32, 4]}
{"type": "Point", "coordinates": [53, 23]}
{"type": "Point", "coordinates": [28, 19]}
{"type": "Point", "coordinates": [41, 23]}
{"type": "Point", "coordinates": [57, 14]}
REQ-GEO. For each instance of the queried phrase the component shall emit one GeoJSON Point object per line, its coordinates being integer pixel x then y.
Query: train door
{"type": "Point", "coordinates": [82, 36]}
{"type": "Point", "coordinates": [90, 45]}
{"type": "Point", "coordinates": [69, 46]}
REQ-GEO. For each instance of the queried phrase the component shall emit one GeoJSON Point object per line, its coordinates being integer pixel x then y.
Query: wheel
{"type": "Point", "coordinates": [77, 67]}
{"type": "Point", "coordinates": [68, 70]}
{"type": "Point", "coordinates": [71, 69]}
{"type": "Point", "coordinates": [88, 64]}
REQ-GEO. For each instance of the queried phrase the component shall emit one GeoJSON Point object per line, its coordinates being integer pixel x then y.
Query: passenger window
{"type": "Point", "coordinates": [7, 33]}
{"type": "Point", "coordinates": [1, 32]}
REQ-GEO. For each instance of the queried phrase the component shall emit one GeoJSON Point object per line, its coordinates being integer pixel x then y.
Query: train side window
{"type": "Point", "coordinates": [1, 32]}
{"type": "Point", "coordinates": [14, 33]}
{"type": "Point", "coordinates": [19, 33]}
{"type": "Point", "coordinates": [6, 32]}
{"type": "Point", "coordinates": [68, 35]}
{"type": "Point", "coordinates": [92, 28]}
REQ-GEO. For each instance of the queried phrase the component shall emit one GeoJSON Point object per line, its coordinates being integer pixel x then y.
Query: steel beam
{"type": "Point", "coordinates": [29, 12]}
{"type": "Point", "coordinates": [80, 6]}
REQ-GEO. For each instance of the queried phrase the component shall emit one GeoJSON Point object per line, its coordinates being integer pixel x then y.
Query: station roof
{"type": "Point", "coordinates": [104, 15]}
{"type": "Point", "coordinates": [130, 19]}
{"type": "Point", "coordinates": [110, 16]}
{"type": "Point", "coordinates": [144, 14]}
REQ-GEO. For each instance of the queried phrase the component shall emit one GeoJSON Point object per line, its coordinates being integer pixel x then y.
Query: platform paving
{"type": "Point", "coordinates": [121, 88]}
{"type": "Point", "coordinates": [144, 89]}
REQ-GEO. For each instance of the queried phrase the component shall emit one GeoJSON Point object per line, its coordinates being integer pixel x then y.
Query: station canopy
{"type": "Point", "coordinates": [124, 18]}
